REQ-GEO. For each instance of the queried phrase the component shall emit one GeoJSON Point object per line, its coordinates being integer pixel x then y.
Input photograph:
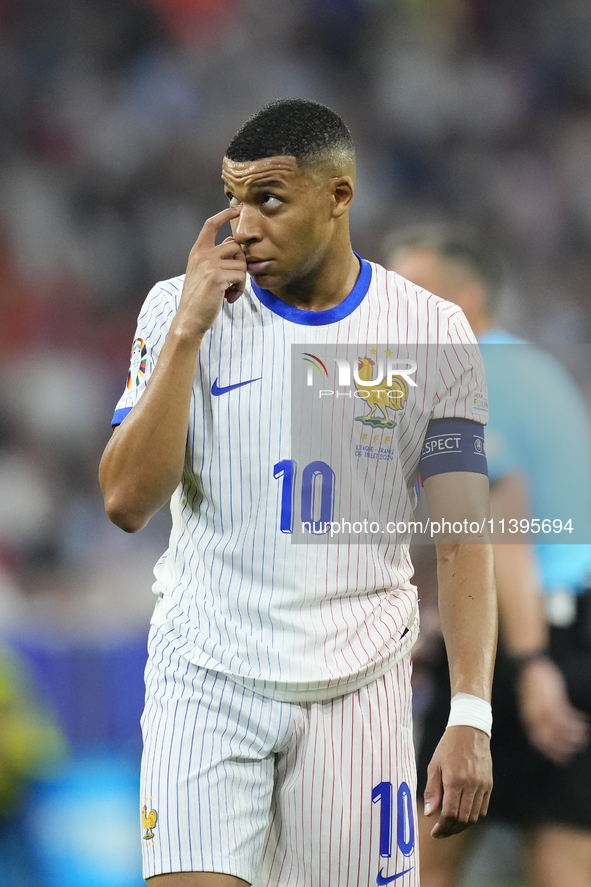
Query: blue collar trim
{"type": "Point", "coordinates": [319, 318]}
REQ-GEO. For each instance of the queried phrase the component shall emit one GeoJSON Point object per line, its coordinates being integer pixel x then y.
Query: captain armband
{"type": "Point", "coordinates": [453, 445]}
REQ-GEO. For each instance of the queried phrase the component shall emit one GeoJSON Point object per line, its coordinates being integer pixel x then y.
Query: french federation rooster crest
{"type": "Point", "coordinates": [149, 820]}
{"type": "Point", "coordinates": [392, 397]}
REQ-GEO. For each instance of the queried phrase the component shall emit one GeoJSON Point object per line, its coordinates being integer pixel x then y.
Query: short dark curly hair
{"type": "Point", "coordinates": [298, 128]}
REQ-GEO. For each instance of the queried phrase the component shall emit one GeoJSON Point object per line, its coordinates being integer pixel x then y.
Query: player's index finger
{"type": "Point", "coordinates": [212, 225]}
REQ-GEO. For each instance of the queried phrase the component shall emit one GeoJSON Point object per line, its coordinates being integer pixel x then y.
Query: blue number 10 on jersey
{"type": "Point", "coordinates": [316, 496]}
{"type": "Point", "coordinates": [405, 828]}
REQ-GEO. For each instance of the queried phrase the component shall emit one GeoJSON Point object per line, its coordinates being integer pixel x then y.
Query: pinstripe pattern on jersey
{"type": "Point", "coordinates": [324, 829]}
{"type": "Point", "coordinates": [296, 622]}
{"type": "Point", "coordinates": [236, 777]}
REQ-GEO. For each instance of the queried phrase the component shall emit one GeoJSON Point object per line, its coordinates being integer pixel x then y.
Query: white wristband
{"type": "Point", "coordinates": [470, 711]}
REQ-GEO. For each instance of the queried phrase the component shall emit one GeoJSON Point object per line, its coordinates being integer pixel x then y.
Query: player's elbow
{"type": "Point", "coordinates": [123, 502]}
{"type": "Point", "coordinates": [132, 498]}
{"type": "Point", "coordinates": [124, 516]}
{"type": "Point", "coordinates": [447, 554]}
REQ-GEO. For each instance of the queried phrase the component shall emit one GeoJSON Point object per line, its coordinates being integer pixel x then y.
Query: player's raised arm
{"type": "Point", "coordinates": [143, 462]}
{"type": "Point", "coordinates": [460, 773]}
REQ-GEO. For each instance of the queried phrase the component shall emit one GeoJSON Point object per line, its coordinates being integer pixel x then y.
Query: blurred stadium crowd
{"type": "Point", "coordinates": [114, 115]}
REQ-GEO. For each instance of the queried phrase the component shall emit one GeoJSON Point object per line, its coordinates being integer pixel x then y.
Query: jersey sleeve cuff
{"type": "Point", "coordinates": [119, 415]}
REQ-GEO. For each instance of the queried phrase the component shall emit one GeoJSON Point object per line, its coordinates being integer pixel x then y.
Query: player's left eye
{"type": "Point", "coordinates": [269, 201]}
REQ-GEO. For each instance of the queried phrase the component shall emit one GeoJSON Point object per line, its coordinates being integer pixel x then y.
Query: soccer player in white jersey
{"type": "Point", "coordinates": [277, 728]}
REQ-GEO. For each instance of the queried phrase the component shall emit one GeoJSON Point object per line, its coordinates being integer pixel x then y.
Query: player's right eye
{"type": "Point", "coordinates": [270, 201]}
{"type": "Point", "coordinates": [233, 201]}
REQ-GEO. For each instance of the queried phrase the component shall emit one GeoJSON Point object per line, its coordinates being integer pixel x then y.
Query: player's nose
{"type": "Point", "coordinates": [246, 228]}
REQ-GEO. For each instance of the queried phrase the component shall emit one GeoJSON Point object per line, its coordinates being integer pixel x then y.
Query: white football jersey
{"type": "Point", "coordinates": [288, 565]}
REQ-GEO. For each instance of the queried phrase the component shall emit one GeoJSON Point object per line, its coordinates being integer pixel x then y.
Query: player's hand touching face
{"type": "Point", "coordinates": [214, 273]}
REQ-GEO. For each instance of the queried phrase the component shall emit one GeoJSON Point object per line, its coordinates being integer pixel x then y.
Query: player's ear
{"type": "Point", "coordinates": [342, 195]}
{"type": "Point", "coordinates": [472, 297]}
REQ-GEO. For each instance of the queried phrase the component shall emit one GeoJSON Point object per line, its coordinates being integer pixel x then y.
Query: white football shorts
{"type": "Point", "coordinates": [314, 794]}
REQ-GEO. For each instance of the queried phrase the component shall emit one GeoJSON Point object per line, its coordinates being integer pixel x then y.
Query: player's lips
{"type": "Point", "coordinates": [255, 266]}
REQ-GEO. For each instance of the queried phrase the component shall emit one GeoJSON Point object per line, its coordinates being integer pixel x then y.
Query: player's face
{"type": "Point", "coordinates": [428, 270]}
{"type": "Point", "coordinates": [286, 221]}
{"type": "Point", "coordinates": [431, 271]}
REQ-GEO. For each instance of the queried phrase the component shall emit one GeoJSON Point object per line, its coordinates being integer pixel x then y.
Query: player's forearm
{"type": "Point", "coordinates": [521, 615]}
{"type": "Point", "coordinates": [143, 462]}
{"type": "Point", "coordinates": [468, 610]}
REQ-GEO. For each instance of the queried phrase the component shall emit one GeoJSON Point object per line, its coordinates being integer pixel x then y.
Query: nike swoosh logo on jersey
{"type": "Point", "coordinates": [381, 879]}
{"type": "Point", "coordinates": [216, 390]}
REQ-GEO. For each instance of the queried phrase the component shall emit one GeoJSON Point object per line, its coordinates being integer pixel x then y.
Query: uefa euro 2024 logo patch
{"type": "Point", "coordinates": [481, 403]}
{"type": "Point", "coordinates": [137, 367]}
